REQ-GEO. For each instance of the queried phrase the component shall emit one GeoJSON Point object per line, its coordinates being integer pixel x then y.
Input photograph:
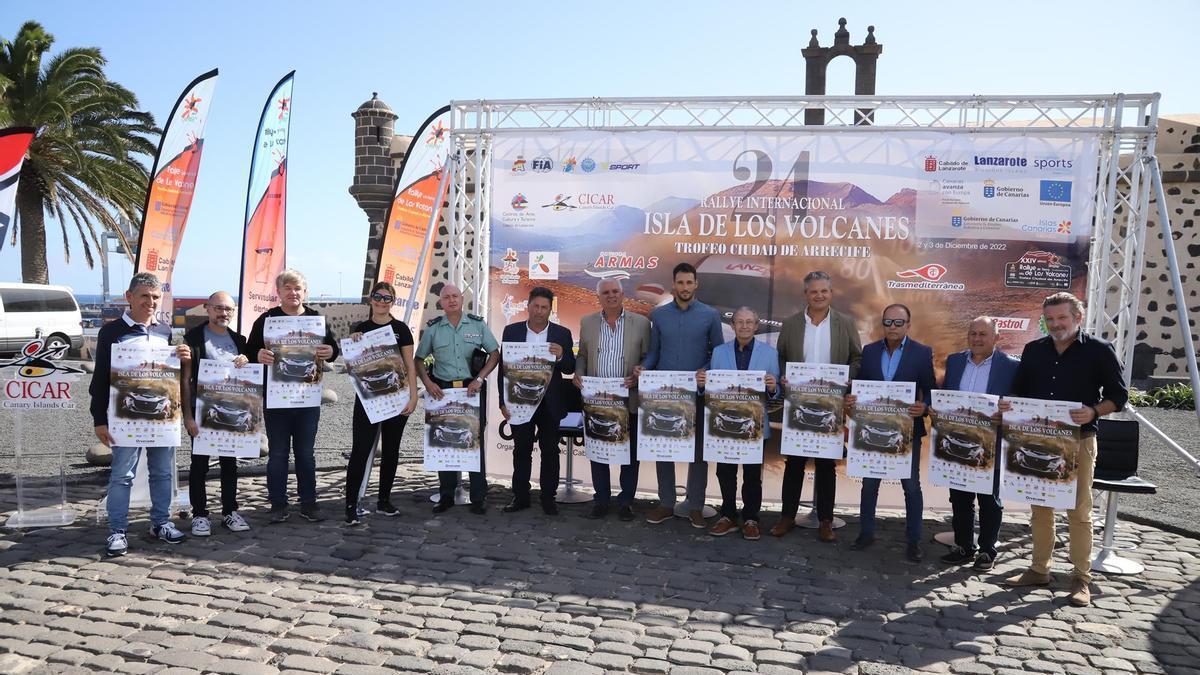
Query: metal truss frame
{"type": "Point", "coordinates": [1124, 124]}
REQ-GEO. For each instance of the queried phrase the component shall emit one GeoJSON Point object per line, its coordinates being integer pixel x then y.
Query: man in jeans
{"type": "Point", "coordinates": [137, 323]}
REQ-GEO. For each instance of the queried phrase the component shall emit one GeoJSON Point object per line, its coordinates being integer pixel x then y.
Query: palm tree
{"type": "Point", "coordinates": [83, 166]}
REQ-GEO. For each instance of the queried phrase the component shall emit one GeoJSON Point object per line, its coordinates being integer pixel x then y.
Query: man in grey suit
{"type": "Point", "coordinates": [819, 334]}
{"type": "Point", "coordinates": [612, 342]}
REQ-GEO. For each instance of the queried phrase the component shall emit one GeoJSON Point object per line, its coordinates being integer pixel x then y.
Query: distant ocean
{"type": "Point", "coordinates": [94, 298]}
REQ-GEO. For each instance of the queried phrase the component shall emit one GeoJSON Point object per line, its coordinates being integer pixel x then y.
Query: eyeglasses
{"type": "Point", "coordinates": [895, 322]}
{"type": "Point", "coordinates": [380, 297]}
{"type": "Point", "coordinates": [223, 309]}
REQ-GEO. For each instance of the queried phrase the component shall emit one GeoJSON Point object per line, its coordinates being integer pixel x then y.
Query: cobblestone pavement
{"type": "Point", "coordinates": [526, 593]}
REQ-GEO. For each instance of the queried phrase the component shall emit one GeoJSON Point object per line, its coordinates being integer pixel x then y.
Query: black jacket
{"type": "Point", "coordinates": [560, 335]}
{"type": "Point", "coordinates": [110, 333]}
{"type": "Point", "coordinates": [255, 341]}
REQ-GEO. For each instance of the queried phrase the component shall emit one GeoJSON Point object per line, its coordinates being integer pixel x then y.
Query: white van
{"type": "Point", "coordinates": [24, 308]}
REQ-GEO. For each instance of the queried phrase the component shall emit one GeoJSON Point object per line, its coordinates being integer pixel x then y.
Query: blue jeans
{"type": "Point", "coordinates": [291, 431]}
{"type": "Point", "coordinates": [161, 462]}
{"type": "Point", "coordinates": [913, 502]}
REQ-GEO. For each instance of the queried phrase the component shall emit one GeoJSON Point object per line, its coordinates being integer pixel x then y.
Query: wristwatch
{"type": "Point", "coordinates": [1096, 412]}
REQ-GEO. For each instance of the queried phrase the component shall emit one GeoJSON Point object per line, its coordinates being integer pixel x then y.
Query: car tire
{"type": "Point", "coordinates": [58, 341]}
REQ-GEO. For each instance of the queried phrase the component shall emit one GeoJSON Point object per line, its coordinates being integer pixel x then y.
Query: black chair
{"type": "Point", "coordinates": [571, 435]}
{"type": "Point", "coordinates": [1116, 472]}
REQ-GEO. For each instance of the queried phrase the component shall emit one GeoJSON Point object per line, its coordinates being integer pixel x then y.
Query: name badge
{"type": "Point", "coordinates": [472, 336]}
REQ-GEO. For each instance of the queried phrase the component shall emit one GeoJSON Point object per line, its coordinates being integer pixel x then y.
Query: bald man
{"type": "Point", "coordinates": [213, 339]}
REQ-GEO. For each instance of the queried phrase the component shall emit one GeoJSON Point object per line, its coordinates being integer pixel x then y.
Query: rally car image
{"type": "Point", "coordinates": [880, 434]}
{"type": "Point", "coordinates": [146, 402]}
{"type": "Point", "coordinates": [604, 428]}
{"type": "Point", "coordinates": [526, 389]}
{"type": "Point", "coordinates": [382, 380]}
{"type": "Point", "coordinates": [1039, 459]}
{"type": "Point", "coordinates": [665, 421]}
{"type": "Point", "coordinates": [732, 421]}
{"type": "Point", "coordinates": [234, 415]}
{"type": "Point", "coordinates": [296, 367]}
{"type": "Point", "coordinates": [813, 414]}
{"type": "Point", "coordinates": [451, 432]}
{"type": "Point", "coordinates": [961, 447]}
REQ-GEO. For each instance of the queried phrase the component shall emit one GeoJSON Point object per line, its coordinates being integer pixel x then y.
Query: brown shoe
{"type": "Point", "coordinates": [784, 526]}
{"type": "Point", "coordinates": [1029, 578]}
{"type": "Point", "coordinates": [723, 527]}
{"type": "Point", "coordinates": [825, 533]}
{"type": "Point", "coordinates": [697, 519]}
{"type": "Point", "coordinates": [659, 514]}
{"type": "Point", "coordinates": [1081, 594]}
{"type": "Point", "coordinates": [750, 530]}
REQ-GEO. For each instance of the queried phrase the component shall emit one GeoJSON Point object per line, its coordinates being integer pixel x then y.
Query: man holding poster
{"type": "Point", "coordinates": [896, 358]}
{"type": "Point", "coordinates": [1069, 365]}
{"type": "Point", "coordinates": [531, 400]}
{"type": "Point", "coordinates": [138, 326]}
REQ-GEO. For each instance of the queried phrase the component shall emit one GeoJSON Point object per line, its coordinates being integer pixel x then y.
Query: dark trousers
{"type": "Point", "coordinates": [751, 490]}
{"type": "Point", "coordinates": [448, 480]}
{"type": "Point", "coordinates": [825, 488]}
{"type": "Point", "coordinates": [602, 479]}
{"type": "Point", "coordinates": [364, 433]}
{"type": "Point", "coordinates": [291, 432]}
{"type": "Point", "coordinates": [544, 425]}
{"type": "Point", "coordinates": [991, 513]}
{"type": "Point", "coordinates": [197, 492]}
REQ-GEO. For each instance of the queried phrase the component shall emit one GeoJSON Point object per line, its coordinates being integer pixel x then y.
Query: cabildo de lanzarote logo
{"type": "Point", "coordinates": [929, 279]}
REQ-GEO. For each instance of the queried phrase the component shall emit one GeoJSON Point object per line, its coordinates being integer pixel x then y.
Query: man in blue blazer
{"type": "Point", "coordinates": [898, 358]}
{"type": "Point", "coordinates": [986, 370]}
{"type": "Point", "coordinates": [549, 413]}
{"type": "Point", "coordinates": [744, 353]}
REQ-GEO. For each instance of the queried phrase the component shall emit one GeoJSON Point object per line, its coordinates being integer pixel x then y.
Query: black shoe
{"type": "Point", "coordinates": [984, 562]}
{"type": "Point", "coordinates": [352, 516]}
{"type": "Point", "coordinates": [915, 553]}
{"type": "Point", "coordinates": [550, 508]}
{"type": "Point", "coordinates": [861, 543]}
{"type": "Point", "coordinates": [279, 513]}
{"type": "Point", "coordinates": [625, 513]}
{"type": "Point", "coordinates": [478, 508]}
{"type": "Point", "coordinates": [443, 505]}
{"type": "Point", "coordinates": [598, 512]}
{"type": "Point", "coordinates": [514, 506]}
{"type": "Point", "coordinates": [958, 556]}
{"type": "Point", "coordinates": [311, 513]}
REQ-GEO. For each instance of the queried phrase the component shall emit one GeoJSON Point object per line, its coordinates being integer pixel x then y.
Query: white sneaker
{"type": "Point", "coordinates": [234, 522]}
{"type": "Point", "coordinates": [168, 533]}
{"type": "Point", "coordinates": [201, 527]}
{"type": "Point", "coordinates": [117, 545]}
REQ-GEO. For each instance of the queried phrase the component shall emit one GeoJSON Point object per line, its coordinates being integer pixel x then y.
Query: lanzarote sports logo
{"type": "Point", "coordinates": [927, 278]}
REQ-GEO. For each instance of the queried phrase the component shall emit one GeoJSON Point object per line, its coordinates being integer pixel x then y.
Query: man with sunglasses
{"type": "Point", "coordinates": [213, 339]}
{"type": "Point", "coordinates": [897, 358]}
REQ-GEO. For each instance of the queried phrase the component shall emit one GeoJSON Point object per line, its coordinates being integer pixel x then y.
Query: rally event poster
{"type": "Point", "coordinates": [528, 370]}
{"type": "Point", "coordinates": [606, 420]}
{"type": "Point", "coordinates": [813, 412]}
{"type": "Point", "coordinates": [452, 431]}
{"type": "Point", "coordinates": [963, 440]}
{"type": "Point", "coordinates": [294, 380]}
{"type": "Point", "coordinates": [735, 410]}
{"type": "Point", "coordinates": [376, 367]}
{"type": "Point", "coordinates": [881, 430]}
{"type": "Point", "coordinates": [143, 399]}
{"type": "Point", "coordinates": [1038, 445]}
{"type": "Point", "coordinates": [229, 409]}
{"type": "Point", "coordinates": [667, 414]}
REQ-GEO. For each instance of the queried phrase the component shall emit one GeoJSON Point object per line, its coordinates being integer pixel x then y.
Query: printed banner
{"type": "Point", "coordinates": [528, 370]}
{"type": "Point", "coordinates": [229, 410]}
{"type": "Point", "coordinates": [264, 237]}
{"type": "Point", "coordinates": [14, 143]}
{"type": "Point", "coordinates": [172, 184]}
{"type": "Point", "coordinates": [452, 431]}
{"type": "Point", "coordinates": [606, 420]}
{"type": "Point", "coordinates": [405, 251]}
{"type": "Point", "coordinates": [881, 430]}
{"type": "Point", "coordinates": [963, 441]}
{"type": "Point", "coordinates": [294, 380]}
{"type": "Point", "coordinates": [667, 414]}
{"type": "Point", "coordinates": [375, 365]}
{"type": "Point", "coordinates": [143, 398]}
{"type": "Point", "coordinates": [1039, 444]}
{"type": "Point", "coordinates": [735, 404]}
{"type": "Point", "coordinates": [813, 414]}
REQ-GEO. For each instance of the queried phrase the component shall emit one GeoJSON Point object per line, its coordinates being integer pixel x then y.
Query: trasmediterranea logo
{"type": "Point", "coordinates": [1055, 192]}
{"type": "Point", "coordinates": [926, 278]}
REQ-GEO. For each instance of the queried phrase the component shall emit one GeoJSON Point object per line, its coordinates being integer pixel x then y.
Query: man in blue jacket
{"type": "Point", "coordinates": [898, 358]}
{"type": "Point", "coordinates": [986, 370]}
{"type": "Point", "coordinates": [550, 411]}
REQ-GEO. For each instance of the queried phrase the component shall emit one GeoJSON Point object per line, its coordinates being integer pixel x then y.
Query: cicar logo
{"type": "Point", "coordinates": [542, 165]}
{"type": "Point", "coordinates": [560, 203]}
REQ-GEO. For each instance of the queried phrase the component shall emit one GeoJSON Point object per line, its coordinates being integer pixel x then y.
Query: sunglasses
{"type": "Point", "coordinates": [380, 297]}
{"type": "Point", "coordinates": [895, 322]}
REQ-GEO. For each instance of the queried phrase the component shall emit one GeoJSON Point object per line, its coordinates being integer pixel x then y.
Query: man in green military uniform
{"type": "Point", "coordinates": [452, 339]}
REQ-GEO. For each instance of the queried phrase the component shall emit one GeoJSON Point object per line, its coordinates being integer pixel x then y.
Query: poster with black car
{"type": "Point", "coordinates": [963, 440]}
{"type": "Point", "coordinates": [143, 399]}
{"type": "Point", "coordinates": [606, 420]}
{"type": "Point", "coordinates": [375, 365]}
{"type": "Point", "coordinates": [294, 380]}
{"type": "Point", "coordinates": [528, 369]}
{"type": "Point", "coordinates": [736, 409]}
{"type": "Point", "coordinates": [229, 404]}
{"type": "Point", "coordinates": [813, 412]}
{"type": "Point", "coordinates": [452, 431]}
{"type": "Point", "coordinates": [1038, 447]}
{"type": "Point", "coordinates": [881, 430]}
{"type": "Point", "coordinates": [667, 413]}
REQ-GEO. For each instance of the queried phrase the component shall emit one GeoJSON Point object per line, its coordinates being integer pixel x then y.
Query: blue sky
{"type": "Point", "coordinates": [344, 51]}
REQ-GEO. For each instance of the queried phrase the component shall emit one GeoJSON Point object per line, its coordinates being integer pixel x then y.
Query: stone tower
{"type": "Point", "coordinates": [374, 174]}
{"type": "Point", "coordinates": [817, 58]}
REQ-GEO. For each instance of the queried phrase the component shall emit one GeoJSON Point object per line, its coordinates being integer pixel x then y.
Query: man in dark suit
{"type": "Point", "coordinates": [898, 358]}
{"type": "Point", "coordinates": [986, 370]}
{"type": "Point", "coordinates": [550, 410]}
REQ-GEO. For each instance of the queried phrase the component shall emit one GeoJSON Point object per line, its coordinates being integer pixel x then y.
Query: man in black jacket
{"type": "Point", "coordinates": [213, 339]}
{"type": "Point", "coordinates": [550, 409]}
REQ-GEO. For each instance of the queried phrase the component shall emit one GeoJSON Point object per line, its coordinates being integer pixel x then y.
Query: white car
{"type": "Point", "coordinates": [26, 309]}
